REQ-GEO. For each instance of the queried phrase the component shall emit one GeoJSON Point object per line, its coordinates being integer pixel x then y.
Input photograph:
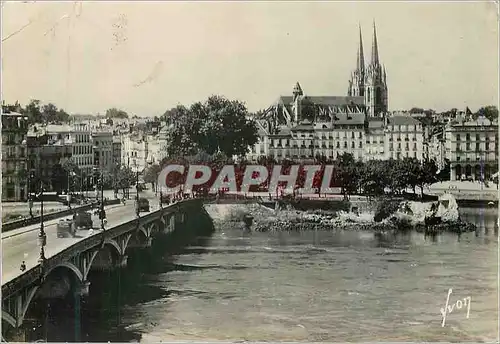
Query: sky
{"type": "Point", "coordinates": [147, 57]}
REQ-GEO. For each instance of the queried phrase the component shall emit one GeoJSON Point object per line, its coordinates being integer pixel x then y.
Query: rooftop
{"type": "Point", "coordinates": [402, 120]}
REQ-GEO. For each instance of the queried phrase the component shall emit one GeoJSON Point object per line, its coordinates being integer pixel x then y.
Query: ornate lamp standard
{"type": "Point", "coordinates": [137, 212]}
{"type": "Point", "coordinates": [31, 175]}
{"type": "Point", "coordinates": [99, 179]}
{"type": "Point", "coordinates": [42, 237]}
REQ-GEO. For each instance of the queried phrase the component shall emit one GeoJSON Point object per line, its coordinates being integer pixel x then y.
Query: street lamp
{"type": "Point", "coordinates": [42, 237]}
{"type": "Point", "coordinates": [137, 212]}
{"type": "Point", "coordinates": [30, 176]}
{"type": "Point", "coordinates": [99, 177]}
{"type": "Point", "coordinates": [71, 174]}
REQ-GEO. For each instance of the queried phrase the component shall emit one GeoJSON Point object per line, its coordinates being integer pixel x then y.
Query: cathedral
{"type": "Point", "coordinates": [303, 127]}
{"type": "Point", "coordinates": [370, 81]}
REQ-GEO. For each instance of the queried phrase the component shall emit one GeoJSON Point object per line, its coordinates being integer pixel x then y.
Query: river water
{"type": "Point", "coordinates": [319, 286]}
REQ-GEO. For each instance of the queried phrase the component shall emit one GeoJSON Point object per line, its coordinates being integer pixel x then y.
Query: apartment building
{"type": "Point", "coordinates": [117, 151]}
{"type": "Point", "coordinates": [79, 137]}
{"type": "Point", "coordinates": [102, 148]}
{"type": "Point", "coordinates": [14, 157]}
{"type": "Point", "coordinates": [472, 148]}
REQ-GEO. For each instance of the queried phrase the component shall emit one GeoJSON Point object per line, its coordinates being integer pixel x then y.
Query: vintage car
{"type": "Point", "coordinates": [143, 204]}
{"type": "Point", "coordinates": [65, 228]}
{"type": "Point", "coordinates": [83, 219]}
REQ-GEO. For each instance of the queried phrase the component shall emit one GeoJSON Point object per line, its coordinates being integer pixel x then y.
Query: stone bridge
{"type": "Point", "coordinates": [103, 250]}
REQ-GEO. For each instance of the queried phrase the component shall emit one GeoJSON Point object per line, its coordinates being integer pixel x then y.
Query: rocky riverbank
{"type": "Point", "coordinates": [387, 216]}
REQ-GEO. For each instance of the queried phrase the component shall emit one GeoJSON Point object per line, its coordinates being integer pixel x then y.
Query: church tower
{"type": "Point", "coordinates": [357, 82]}
{"type": "Point", "coordinates": [370, 81]}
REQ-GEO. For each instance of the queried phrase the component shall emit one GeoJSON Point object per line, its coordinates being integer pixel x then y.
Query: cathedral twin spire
{"type": "Point", "coordinates": [375, 61]}
{"type": "Point", "coordinates": [369, 81]}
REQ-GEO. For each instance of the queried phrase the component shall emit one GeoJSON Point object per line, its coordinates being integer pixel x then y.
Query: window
{"type": "Point", "coordinates": [458, 137]}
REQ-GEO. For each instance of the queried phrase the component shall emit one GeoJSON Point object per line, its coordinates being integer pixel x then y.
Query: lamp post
{"type": "Point", "coordinates": [42, 237]}
{"type": "Point", "coordinates": [68, 194]}
{"type": "Point", "coordinates": [30, 197]}
{"type": "Point", "coordinates": [137, 212]}
{"type": "Point", "coordinates": [30, 176]}
{"type": "Point", "coordinates": [102, 200]}
{"type": "Point", "coordinates": [99, 178]}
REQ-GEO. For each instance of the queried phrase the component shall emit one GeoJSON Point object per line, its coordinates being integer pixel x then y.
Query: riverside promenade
{"type": "Point", "coordinates": [463, 191]}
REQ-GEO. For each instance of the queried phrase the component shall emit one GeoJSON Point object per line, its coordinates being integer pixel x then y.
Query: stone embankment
{"type": "Point", "coordinates": [384, 216]}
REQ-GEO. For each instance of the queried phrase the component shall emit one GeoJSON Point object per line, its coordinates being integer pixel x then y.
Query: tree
{"type": "Point", "coordinates": [490, 112]}
{"type": "Point", "coordinates": [59, 178]}
{"type": "Point", "coordinates": [216, 125]}
{"type": "Point", "coordinates": [33, 111]}
{"type": "Point", "coordinates": [49, 113]}
{"type": "Point", "coordinates": [71, 174]}
{"type": "Point", "coordinates": [346, 174]}
{"type": "Point", "coordinates": [115, 113]}
{"type": "Point", "coordinates": [122, 178]}
{"type": "Point", "coordinates": [416, 110]}
{"type": "Point", "coordinates": [410, 172]}
{"type": "Point", "coordinates": [427, 174]}
{"type": "Point", "coordinates": [151, 174]}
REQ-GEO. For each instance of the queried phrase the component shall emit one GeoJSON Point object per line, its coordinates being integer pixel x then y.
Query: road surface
{"type": "Point", "coordinates": [22, 244]}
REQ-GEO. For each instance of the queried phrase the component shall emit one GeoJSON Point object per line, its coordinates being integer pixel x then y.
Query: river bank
{"type": "Point", "coordinates": [383, 215]}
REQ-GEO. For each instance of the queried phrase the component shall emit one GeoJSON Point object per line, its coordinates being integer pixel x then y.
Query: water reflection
{"type": "Point", "coordinates": [309, 286]}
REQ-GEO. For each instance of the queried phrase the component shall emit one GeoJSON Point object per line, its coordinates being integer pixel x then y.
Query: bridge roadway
{"type": "Point", "coordinates": [22, 244]}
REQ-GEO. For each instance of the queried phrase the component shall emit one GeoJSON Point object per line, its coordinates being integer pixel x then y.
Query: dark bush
{"type": "Point", "coordinates": [385, 208]}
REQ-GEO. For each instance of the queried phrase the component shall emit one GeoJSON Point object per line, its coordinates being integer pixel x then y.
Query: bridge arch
{"type": "Point", "coordinates": [112, 243]}
{"type": "Point", "coordinates": [70, 266]}
{"type": "Point", "coordinates": [9, 319]}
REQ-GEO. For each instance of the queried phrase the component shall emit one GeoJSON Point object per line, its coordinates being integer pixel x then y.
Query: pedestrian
{"type": "Point", "coordinates": [23, 266]}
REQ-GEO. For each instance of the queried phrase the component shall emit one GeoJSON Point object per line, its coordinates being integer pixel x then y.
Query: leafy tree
{"type": "Point", "coordinates": [346, 174]}
{"type": "Point", "coordinates": [49, 113]}
{"type": "Point", "coordinates": [123, 177]}
{"type": "Point", "coordinates": [33, 111]}
{"type": "Point", "coordinates": [151, 174]}
{"type": "Point", "coordinates": [373, 177]}
{"type": "Point", "coordinates": [490, 112]}
{"type": "Point", "coordinates": [59, 178]}
{"type": "Point", "coordinates": [71, 174]}
{"type": "Point", "coordinates": [410, 171]}
{"type": "Point", "coordinates": [427, 174]}
{"type": "Point", "coordinates": [416, 110]}
{"type": "Point", "coordinates": [216, 125]}
{"type": "Point", "coordinates": [115, 113]}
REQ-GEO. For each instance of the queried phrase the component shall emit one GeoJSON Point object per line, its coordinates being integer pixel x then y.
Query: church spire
{"type": "Point", "coordinates": [375, 60]}
{"type": "Point", "coordinates": [361, 57]}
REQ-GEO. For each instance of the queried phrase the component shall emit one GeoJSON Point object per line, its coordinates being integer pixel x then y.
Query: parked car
{"type": "Point", "coordinates": [143, 204]}
{"type": "Point", "coordinates": [83, 219]}
{"type": "Point", "coordinates": [65, 228]}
